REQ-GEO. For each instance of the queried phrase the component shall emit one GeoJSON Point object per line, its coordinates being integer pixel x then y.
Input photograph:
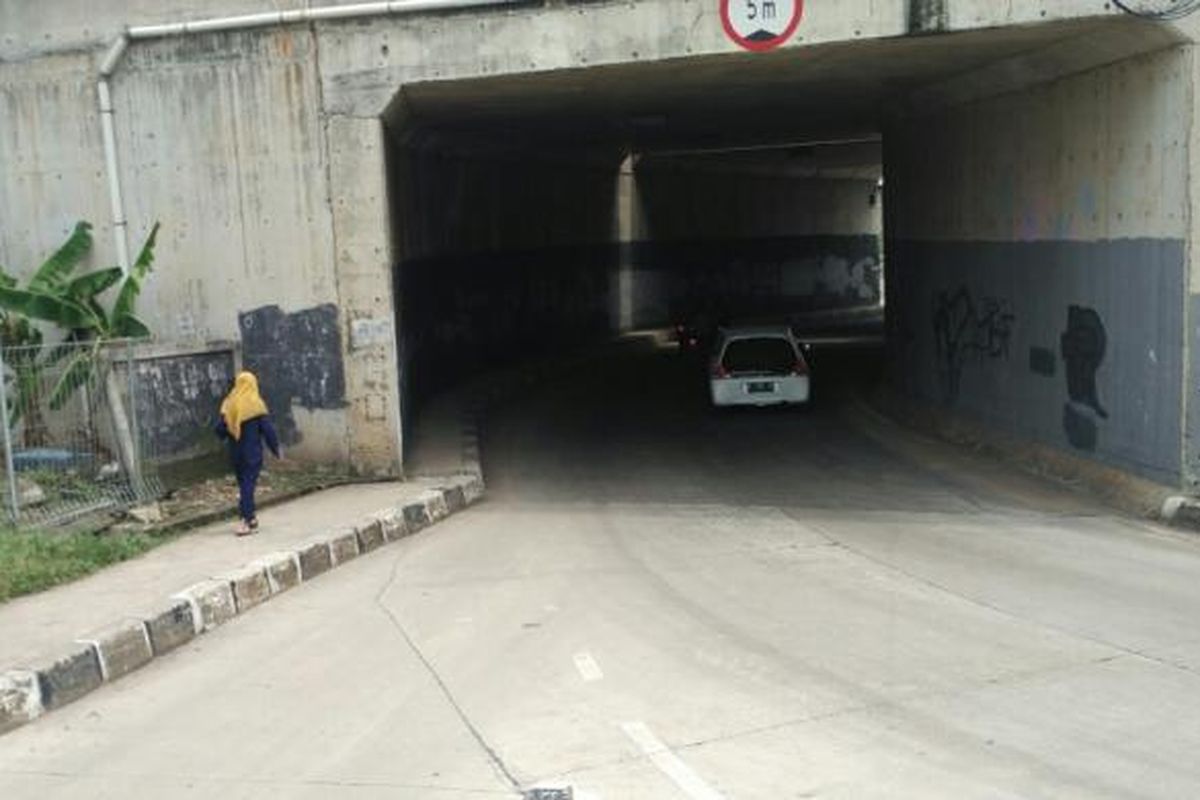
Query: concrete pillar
{"type": "Point", "coordinates": [626, 236]}
{"type": "Point", "coordinates": [1190, 400]}
{"type": "Point", "coordinates": [363, 266]}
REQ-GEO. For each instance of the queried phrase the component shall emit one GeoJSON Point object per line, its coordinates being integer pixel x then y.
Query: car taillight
{"type": "Point", "coordinates": [719, 371]}
{"type": "Point", "coordinates": [800, 368]}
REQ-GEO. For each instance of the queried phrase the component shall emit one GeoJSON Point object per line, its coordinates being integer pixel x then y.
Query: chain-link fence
{"type": "Point", "coordinates": [72, 443]}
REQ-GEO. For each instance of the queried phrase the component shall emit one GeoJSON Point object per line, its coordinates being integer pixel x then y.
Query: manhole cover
{"type": "Point", "coordinates": [550, 794]}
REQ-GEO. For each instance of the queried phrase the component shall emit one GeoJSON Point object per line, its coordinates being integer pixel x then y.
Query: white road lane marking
{"type": "Point", "coordinates": [669, 763]}
{"type": "Point", "coordinates": [588, 668]}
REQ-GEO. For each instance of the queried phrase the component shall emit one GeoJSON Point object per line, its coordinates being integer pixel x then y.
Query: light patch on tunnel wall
{"type": "Point", "coordinates": [370, 332]}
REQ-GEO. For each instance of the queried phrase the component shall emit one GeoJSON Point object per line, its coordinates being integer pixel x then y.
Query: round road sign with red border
{"type": "Point", "coordinates": [760, 25]}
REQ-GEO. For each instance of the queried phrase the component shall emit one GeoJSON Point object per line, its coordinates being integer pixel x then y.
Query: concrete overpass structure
{"type": "Point", "coordinates": [365, 198]}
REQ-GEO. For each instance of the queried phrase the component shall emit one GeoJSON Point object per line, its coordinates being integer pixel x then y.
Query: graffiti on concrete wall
{"type": "Point", "coordinates": [965, 330]}
{"type": "Point", "coordinates": [298, 358]}
{"type": "Point", "coordinates": [1083, 346]}
{"type": "Point", "coordinates": [835, 280]}
{"type": "Point", "coordinates": [775, 276]}
{"type": "Point", "coordinates": [178, 399]}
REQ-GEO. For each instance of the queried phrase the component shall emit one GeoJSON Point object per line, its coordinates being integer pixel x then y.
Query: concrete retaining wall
{"type": "Point", "coordinates": [1037, 262]}
{"type": "Point", "coordinates": [499, 258]}
{"type": "Point", "coordinates": [263, 156]}
{"type": "Point", "coordinates": [726, 244]}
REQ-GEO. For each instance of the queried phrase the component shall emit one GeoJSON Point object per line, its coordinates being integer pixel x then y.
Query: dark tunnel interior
{"type": "Point", "coordinates": [546, 212]}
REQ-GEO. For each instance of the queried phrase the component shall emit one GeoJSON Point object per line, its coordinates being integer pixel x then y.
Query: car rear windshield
{"type": "Point", "coordinates": [766, 354]}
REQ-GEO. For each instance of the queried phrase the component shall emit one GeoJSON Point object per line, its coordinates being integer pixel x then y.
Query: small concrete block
{"type": "Point", "coordinates": [455, 500]}
{"type": "Point", "coordinates": [473, 488]}
{"type": "Point", "coordinates": [370, 535]}
{"type": "Point", "coordinates": [283, 570]}
{"type": "Point", "coordinates": [392, 522]}
{"type": "Point", "coordinates": [69, 675]}
{"type": "Point", "coordinates": [212, 601]}
{"type": "Point", "coordinates": [435, 504]}
{"type": "Point", "coordinates": [314, 559]}
{"type": "Point", "coordinates": [344, 546]}
{"type": "Point", "coordinates": [171, 627]}
{"type": "Point", "coordinates": [251, 586]}
{"type": "Point", "coordinates": [416, 516]}
{"type": "Point", "coordinates": [121, 648]}
{"type": "Point", "coordinates": [20, 699]}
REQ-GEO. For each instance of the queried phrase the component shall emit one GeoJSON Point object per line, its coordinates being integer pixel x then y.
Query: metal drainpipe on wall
{"type": "Point", "coordinates": [217, 24]}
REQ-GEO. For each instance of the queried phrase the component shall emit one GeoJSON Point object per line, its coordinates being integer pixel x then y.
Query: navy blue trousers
{"type": "Point", "coordinates": [247, 478]}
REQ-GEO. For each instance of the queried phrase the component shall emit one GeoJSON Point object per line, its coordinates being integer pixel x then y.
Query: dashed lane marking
{"type": "Point", "coordinates": [589, 670]}
{"type": "Point", "coordinates": [668, 763]}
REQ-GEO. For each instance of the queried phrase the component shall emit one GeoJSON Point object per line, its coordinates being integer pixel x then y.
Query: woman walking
{"type": "Point", "coordinates": [246, 424]}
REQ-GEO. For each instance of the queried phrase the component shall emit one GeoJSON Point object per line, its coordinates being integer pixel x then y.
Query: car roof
{"type": "Point", "coordinates": [751, 331]}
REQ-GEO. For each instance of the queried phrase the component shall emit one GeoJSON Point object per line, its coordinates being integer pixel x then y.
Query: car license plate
{"type": "Point", "coordinates": [760, 387]}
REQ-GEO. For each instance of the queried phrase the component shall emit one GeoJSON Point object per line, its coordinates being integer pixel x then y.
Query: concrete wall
{"type": "Point", "coordinates": [262, 154]}
{"type": "Point", "coordinates": [727, 243]}
{"type": "Point", "coordinates": [1037, 260]}
{"type": "Point", "coordinates": [497, 258]}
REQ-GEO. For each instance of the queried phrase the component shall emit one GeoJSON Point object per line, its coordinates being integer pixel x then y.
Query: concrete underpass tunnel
{"type": "Point", "coordinates": [1033, 222]}
{"type": "Point", "coordinates": [529, 215]}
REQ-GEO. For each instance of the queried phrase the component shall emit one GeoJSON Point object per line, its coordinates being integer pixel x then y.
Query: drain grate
{"type": "Point", "coordinates": [550, 794]}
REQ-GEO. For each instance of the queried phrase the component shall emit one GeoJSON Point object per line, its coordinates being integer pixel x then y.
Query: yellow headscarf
{"type": "Point", "coordinates": [243, 404]}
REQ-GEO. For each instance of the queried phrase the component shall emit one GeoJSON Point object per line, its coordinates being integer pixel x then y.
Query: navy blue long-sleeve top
{"type": "Point", "coordinates": [247, 452]}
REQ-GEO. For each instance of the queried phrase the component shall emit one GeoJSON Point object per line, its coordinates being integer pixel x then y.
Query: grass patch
{"type": "Point", "coordinates": [32, 561]}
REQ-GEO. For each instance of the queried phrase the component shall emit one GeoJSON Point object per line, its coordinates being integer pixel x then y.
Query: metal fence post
{"type": "Point", "coordinates": [131, 374]}
{"type": "Point", "coordinates": [13, 493]}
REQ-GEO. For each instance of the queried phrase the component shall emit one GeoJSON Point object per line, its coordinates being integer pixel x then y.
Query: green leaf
{"type": "Point", "coordinates": [53, 274]}
{"type": "Point", "coordinates": [62, 311]}
{"type": "Point", "coordinates": [85, 287]}
{"type": "Point", "coordinates": [77, 373]}
{"type": "Point", "coordinates": [104, 324]}
{"type": "Point", "coordinates": [60, 351]}
{"type": "Point", "coordinates": [16, 331]}
{"type": "Point", "coordinates": [130, 327]}
{"type": "Point", "coordinates": [28, 394]}
{"type": "Point", "coordinates": [127, 299]}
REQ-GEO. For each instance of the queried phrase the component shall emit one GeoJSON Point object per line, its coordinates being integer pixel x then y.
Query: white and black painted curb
{"type": "Point", "coordinates": [106, 655]}
{"type": "Point", "coordinates": [1181, 511]}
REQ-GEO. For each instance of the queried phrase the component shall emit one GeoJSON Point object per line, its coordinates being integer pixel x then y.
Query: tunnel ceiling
{"type": "Point", "coordinates": [831, 91]}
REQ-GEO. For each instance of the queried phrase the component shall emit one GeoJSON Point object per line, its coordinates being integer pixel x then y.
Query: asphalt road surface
{"type": "Point", "coordinates": [660, 601]}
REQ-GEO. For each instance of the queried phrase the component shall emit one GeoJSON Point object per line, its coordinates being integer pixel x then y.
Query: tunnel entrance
{"type": "Point", "coordinates": [541, 211]}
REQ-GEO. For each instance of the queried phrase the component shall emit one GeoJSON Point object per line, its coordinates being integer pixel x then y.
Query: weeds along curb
{"type": "Point", "coordinates": [106, 655]}
{"type": "Point", "coordinates": [184, 524]}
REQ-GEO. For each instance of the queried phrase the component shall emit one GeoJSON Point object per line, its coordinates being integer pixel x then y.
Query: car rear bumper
{"type": "Point", "coordinates": [789, 389]}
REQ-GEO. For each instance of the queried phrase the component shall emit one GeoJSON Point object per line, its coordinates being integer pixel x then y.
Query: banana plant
{"type": "Point", "coordinates": [73, 305]}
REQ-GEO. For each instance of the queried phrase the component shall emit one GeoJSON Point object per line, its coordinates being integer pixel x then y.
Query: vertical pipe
{"type": "Point", "coordinates": [13, 494]}
{"type": "Point", "coordinates": [114, 178]}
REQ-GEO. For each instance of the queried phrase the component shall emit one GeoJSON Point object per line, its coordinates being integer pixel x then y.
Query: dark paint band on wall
{"type": "Point", "coordinates": [461, 314]}
{"type": "Point", "coordinates": [732, 278]}
{"type": "Point", "coordinates": [1077, 344]}
{"type": "Point", "coordinates": [298, 359]}
{"type": "Point", "coordinates": [177, 401]}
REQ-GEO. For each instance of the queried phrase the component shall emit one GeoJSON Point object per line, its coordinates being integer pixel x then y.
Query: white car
{"type": "Point", "coordinates": [759, 366]}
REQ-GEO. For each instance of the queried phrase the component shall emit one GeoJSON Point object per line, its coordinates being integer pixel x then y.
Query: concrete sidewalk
{"type": "Point", "coordinates": [42, 664]}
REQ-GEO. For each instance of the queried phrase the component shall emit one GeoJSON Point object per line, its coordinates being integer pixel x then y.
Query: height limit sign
{"type": "Point", "coordinates": [761, 24]}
